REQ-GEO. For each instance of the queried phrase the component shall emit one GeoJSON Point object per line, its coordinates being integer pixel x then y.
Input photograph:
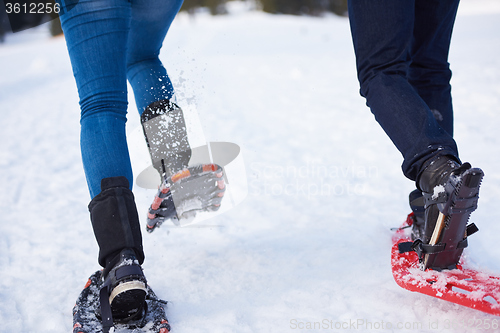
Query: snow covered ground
{"type": "Point", "coordinates": [311, 241]}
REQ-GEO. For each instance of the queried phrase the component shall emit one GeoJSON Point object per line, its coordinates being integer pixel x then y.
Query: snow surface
{"type": "Point", "coordinates": [310, 245]}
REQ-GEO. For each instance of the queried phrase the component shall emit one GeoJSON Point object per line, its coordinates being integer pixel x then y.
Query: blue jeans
{"type": "Point", "coordinates": [401, 49]}
{"type": "Point", "coordinates": [110, 41]}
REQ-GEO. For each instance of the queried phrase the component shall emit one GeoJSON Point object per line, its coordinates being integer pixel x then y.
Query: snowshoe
{"type": "Point", "coordinates": [87, 316]}
{"type": "Point", "coordinates": [464, 286]}
{"type": "Point", "coordinates": [450, 195]}
{"type": "Point", "coordinates": [195, 189]}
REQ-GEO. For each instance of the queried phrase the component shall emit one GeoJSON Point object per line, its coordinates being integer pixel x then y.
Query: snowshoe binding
{"type": "Point", "coordinates": [122, 299]}
{"type": "Point", "coordinates": [450, 192]}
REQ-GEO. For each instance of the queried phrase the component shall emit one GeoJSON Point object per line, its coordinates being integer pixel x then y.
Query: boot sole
{"type": "Point", "coordinates": [127, 299]}
{"type": "Point", "coordinates": [127, 287]}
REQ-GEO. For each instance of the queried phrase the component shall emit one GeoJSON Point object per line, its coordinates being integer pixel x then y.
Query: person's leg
{"type": "Point", "coordinates": [383, 35]}
{"type": "Point", "coordinates": [96, 33]}
{"type": "Point", "coordinates": [150, 22]}
{"type": "Point", "coordinates": [429, 70]}
{"type": "Point", "coordinates": [162, 120]}
{"type": "Point", "coordinates": [382, 32]}
{"type": "Point", "coordinates": [430, 75]}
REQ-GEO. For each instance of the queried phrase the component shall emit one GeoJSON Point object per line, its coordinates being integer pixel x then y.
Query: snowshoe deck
{"type": "Point", "coordinates": [467, 287]}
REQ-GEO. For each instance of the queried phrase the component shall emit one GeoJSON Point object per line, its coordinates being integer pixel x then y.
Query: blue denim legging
{"type": "Point", "coordinates": [110, 41]}
{"type": "Point", "coordinates": [401, 51]}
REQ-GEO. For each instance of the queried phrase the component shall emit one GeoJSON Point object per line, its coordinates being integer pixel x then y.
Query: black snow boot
{"type": "Point", "coordinates": [116, 226]}
{"type": "Point", "coordinates": [165, 132]}
{"type": "Point", "coordinates": [432, 183]}
{"type": "Point", "coordinates": [123, 292]}
{"type": "Point", "coordinates": [450, 192]}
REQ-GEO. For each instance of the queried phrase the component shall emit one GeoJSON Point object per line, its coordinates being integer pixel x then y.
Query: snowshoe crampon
{"type": "Point", "coordinates": [467, 287]}
{"type": "Point", "coordinates": [87, 312]}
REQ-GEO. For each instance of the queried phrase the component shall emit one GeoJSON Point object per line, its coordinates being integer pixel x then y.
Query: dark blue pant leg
{"type": "Point", "coordinates": [382, 32]}
{"type": "Point", "coordinates": [429, 71]}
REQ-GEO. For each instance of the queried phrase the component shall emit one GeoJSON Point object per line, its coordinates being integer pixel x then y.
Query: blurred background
{"type": "Point", "coordinates": [21, 21]}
